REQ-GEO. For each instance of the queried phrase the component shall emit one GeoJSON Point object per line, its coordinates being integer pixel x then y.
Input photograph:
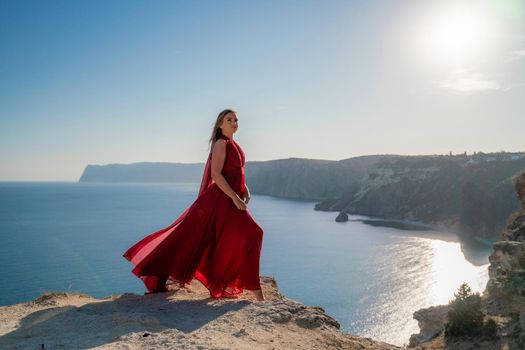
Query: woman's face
{"type": "Point", "coordinates": [229, 123]}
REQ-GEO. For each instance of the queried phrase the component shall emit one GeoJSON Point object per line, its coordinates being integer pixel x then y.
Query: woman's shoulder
{"type": "Point", "coordinates": [222, 142]}
{"type": "Point", "coordinates": [220, 145]}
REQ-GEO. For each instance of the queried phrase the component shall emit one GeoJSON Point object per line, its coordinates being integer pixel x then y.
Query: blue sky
{"type": "Point", "coordinates": [99, 82]}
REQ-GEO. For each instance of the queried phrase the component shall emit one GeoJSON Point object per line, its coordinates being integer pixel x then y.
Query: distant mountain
{"type": "Point", "coordinates": [143, 172]}
{"type": "Point", "coordinates": [470, 194]}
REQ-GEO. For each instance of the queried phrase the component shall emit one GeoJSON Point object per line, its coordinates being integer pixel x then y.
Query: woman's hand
{"type": "Point", "coordinates": [246, 197]}
{"type": "Point", "coordinates": [239, 203]}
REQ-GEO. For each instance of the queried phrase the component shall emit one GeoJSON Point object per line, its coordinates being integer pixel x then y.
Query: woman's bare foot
{"type": "Point", "coordinates": [258, 294]}
{"type": "Point", "coordinates": [227, 293]}
{"type": "Point", "coordinates": [160, 290]}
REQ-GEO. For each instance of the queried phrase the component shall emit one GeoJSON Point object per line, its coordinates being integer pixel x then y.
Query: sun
{"type": "Point", "coordinates": [456, 35]}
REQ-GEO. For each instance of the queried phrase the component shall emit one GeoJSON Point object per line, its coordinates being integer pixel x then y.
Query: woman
{"type": "Point", "coordinates": [215, 240]}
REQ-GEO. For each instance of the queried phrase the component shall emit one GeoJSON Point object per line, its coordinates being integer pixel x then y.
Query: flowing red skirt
{"type": "Point", "coordinates": [212, 241]}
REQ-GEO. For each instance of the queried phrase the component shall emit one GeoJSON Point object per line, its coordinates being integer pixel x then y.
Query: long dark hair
{"type": "Point", "coordinates": [217, 132]}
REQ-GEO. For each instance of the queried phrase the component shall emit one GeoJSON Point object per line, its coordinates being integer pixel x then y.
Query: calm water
{"type": "Point", "coordinates": [71, 236]}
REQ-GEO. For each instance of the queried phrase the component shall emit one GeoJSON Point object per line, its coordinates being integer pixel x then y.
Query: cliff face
{"type": "Point", "coordinates": [309, 179]}
{"type": "Point", "coordinates": [458, 193]}
{"type": "Point", "coordinates": [182, 318]}
{"type": "Point", "coordinates": [503, 298]}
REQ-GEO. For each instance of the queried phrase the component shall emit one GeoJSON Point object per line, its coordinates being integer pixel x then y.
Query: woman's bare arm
{"type": "Point", "coordinates": [217, 162]}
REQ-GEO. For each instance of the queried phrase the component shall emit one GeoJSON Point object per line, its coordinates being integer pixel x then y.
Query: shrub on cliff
{"type": "Point", "coordinates": [465, 316]}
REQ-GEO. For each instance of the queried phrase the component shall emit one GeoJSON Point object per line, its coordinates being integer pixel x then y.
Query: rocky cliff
{"type": "Point", "coordinates": [506, 286]}
{"type": "Point", "coordinates": [182, 318]}
{"type": "Point", "coordinates": [472, 196]}
{"type": "Point", "coordinates": [503, 298]}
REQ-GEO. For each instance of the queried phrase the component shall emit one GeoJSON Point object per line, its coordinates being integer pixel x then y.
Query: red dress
{"type": "Point", "coordinates": [212, 241]}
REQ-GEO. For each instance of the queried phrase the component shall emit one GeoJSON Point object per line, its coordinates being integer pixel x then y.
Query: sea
{"type": "Point", "coordinates": [367, 273]}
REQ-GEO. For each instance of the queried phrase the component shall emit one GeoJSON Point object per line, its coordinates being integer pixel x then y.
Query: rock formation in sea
{"type": "Point", "coordinates": [503, 299]}
{"type": "Point", "coordinates": [342, 217]}
{"type": "Point", "coordinates": [182, 318]}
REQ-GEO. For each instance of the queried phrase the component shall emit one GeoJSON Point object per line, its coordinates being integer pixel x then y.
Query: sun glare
{"type": "Point", "coordinates": [455, 35]}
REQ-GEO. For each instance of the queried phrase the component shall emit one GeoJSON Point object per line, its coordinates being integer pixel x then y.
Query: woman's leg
{"type": "Point", "coordinates": [161, 284]}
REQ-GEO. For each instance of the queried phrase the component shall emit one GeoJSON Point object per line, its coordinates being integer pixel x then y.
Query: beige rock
{"type": "Point", "coordinates": [182, 318]}
{"type": "Point", "coordinates": [431, 322]}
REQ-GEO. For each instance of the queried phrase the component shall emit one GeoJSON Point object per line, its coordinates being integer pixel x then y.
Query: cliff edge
{"type": "Point", "coordinates": [180, 318]}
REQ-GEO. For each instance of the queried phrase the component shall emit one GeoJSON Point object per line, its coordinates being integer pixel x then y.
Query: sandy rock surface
{"type": "Point", "coordinates": [182, 318]}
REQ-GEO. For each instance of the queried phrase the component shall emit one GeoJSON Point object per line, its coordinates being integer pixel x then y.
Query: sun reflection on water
{"type": "Point", "coordinates": [417, 273]}
{"type": "Point", "coordinates": [450, 269]}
